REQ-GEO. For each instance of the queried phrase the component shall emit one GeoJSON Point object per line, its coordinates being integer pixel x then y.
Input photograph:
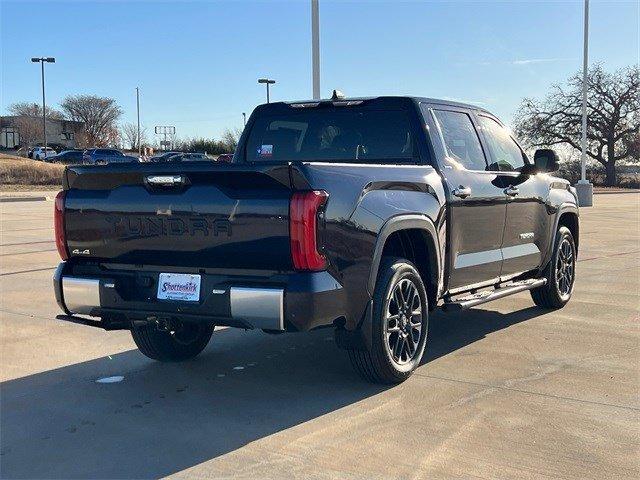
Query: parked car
{"type": "Point", "coordinates": [23, 152]}
{"type": "Point", "coordinates": [189, 157]}
{"type": "Point", "coordinates": [67, 156]}
{"type": "Point", "coordinates": [103, 156]}
{"type": "Point", "coordinates": [30, 151]}
{"type": "Point", "coordinates": [225, 158]}
{"type": "Point", "coordinates": [40, 153]}
{"type": "Point", "coordinates": [58, 147]}
{"type": "Point", "coordinates": [164, 157]}
{"type": "Point", "coordinates": [362, 215]}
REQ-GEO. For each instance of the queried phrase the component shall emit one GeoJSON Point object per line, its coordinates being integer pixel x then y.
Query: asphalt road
{"type": "Point", "coordinates": [506, 390]}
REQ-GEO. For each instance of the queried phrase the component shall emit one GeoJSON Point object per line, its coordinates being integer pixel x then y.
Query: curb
{"type": "Point", "coordinates": [616, 192]}
{"type": "Point", "coordinates": [24, 199]}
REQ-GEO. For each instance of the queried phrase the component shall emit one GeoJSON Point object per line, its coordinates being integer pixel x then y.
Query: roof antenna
{"type": "Point", "coordinates": [337, 95]}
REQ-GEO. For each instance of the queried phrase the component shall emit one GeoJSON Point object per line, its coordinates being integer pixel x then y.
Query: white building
{"type": "Point", "coordinates": [59, 132]}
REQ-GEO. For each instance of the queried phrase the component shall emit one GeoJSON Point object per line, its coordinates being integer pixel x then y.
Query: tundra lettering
{"type": "Point", "coordinates": [135, 226]}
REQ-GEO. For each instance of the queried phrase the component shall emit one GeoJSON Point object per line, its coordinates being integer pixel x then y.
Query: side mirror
{"type": "Point", "coordinates": [546, 160]}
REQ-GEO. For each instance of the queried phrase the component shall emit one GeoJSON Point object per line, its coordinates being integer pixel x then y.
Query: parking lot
{"type": "Point", "coordinates": [506, 390]}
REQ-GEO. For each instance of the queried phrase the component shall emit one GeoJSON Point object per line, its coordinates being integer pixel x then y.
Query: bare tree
{"type": "Point", "coordinates": [82, 140]}
{"type": "Point", "coordinates": [30, 109]}
{"type": "Point", "coordinates": [613, 110]}
{"type": "Point", "coordinates": [99, 114]}
{"type": "Point", "coordinates": [30, 129]}
{"type": "Point", "coordinates": [230, 138]}
{"type": "Point", "coordinates": [129, 135]}
{"type": "Point", "coordinates": [112, 137]}
{"type": "Point", "coordinates": [29, 121]}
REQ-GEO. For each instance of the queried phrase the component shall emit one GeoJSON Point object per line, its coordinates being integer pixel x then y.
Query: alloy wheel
{"type": "Point", "coordinates": [565, 267]}
{"type": "Point", "coordinates": [403, 322]}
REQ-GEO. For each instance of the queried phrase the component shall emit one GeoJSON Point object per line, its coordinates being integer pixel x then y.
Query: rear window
{"type": "Point", "coordinates": [343, 134]}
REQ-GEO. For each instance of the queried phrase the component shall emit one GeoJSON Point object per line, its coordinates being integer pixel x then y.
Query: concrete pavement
{"type": "Point", "coordinates": [506, 390]}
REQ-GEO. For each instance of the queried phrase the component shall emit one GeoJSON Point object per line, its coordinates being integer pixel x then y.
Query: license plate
{"type": "Point", "coordinates": [179, 286]}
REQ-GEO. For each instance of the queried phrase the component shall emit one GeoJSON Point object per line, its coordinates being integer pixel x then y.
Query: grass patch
{"type": "Point", "coordinates": [16, 172]}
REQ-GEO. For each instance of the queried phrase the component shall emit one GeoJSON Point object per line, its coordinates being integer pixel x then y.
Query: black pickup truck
{"type": "Point", "coordinates": [361, 214]}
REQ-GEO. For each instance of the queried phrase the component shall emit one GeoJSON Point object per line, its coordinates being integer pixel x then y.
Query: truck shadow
{"type": "Point", "coordinates": [164, 418]}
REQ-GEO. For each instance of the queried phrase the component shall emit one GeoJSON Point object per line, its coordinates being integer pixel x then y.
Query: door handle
{"type": "Point", "coordinates": [462, 192]}
{"type": "Point", "coordinates": [511, 191]}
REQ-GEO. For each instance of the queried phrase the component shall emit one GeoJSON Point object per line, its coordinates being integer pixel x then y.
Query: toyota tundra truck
{"type": "Point", "coordinates": [358, 214]}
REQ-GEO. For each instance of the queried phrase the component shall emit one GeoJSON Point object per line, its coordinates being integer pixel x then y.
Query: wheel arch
{"type": "Point", "coordinates": [412, 237]}
{"type": "Point", "coordinates": [569, 218]}
{"type": "Point", "coordinates": [567, 215]}
{"type": "Point", "coordinates": [406, 227]}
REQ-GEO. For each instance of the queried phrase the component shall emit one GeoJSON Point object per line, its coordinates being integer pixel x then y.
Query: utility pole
{"type": "Point", "coordinates": [138, 111]}
{"type": "Point", "coordinates": [584, 188]}
{"type": "Point", "coordinates": [244, 119]}
{"type": "Point", "coordinates": [315, 48]}
{"type": "Point", "coordinates": [42, 61]}
{"type": "Point", "coordinates": [267, 82]}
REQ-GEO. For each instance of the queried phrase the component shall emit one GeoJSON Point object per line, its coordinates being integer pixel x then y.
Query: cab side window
{"type": "Point", "coordinates": [461, 139]}
{"type": "Point", "coordinates": [505, 152]}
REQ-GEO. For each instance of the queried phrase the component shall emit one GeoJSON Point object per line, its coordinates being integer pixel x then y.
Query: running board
{"type": "Point", "coordinates": [490, 295]}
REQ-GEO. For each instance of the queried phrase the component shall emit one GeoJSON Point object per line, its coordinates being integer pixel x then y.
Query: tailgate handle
{"type": "Point", "coordinates": [165, 180]}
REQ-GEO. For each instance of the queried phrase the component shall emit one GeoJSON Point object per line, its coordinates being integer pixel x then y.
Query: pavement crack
{"type": "Point", "coordinates": [528, 392]}
{"type": "Point", "coordinates": [27, 271]}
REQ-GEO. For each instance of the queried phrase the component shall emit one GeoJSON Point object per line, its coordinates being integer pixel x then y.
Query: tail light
{"type": "Point", "coordinates": [58, 224]}
{"type": "Point", "coordinates": [303, 218]}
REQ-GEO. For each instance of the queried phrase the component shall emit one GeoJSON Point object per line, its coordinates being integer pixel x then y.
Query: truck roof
{"type": "Point", "coordinates": [438, 101]}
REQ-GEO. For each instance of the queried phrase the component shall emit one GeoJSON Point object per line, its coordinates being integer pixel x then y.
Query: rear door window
{"type": "Point", "coordinates": [333, 134]}
{"type": "Point", "coordinates": [461, 139]}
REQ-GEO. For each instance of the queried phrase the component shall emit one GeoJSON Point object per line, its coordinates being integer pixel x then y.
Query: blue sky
{"type": "Point", "coordinates": [196, 63]}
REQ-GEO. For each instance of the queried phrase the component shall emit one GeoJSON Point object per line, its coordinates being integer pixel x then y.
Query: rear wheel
{"type": "Point", "coordinates": [184, 343]}
{"type": "Point", "coordinates": [560, 273]}
{"type": "Point", "coordinates": [399, 325]}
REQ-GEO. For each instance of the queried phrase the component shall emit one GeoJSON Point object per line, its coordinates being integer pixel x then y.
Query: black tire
{"type": "Point", "coordinates": [163, 346]}
{"type": "Point", "coordinates": [380, 365]}
{"type": "Point", "coordinates": [560, 279]}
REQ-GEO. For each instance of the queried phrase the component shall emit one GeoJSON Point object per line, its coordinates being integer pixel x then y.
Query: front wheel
{"type": "Point", "coordinates": [560, 273]}
{"type": "Point", "coordinates": [187, 341]}
{"type": "Point", "coordinates": [399, 325]}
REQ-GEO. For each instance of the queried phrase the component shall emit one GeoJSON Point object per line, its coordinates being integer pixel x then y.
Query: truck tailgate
{"type": "Point", "coordinates": [199, 214]}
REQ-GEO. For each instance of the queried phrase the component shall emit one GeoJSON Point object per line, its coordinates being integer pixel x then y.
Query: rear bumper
{"type": "Point", "coordinates": [294, 302]}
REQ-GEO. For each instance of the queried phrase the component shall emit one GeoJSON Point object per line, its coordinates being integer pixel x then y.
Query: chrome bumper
{"type": "Point", "coordinates": [81, 295]}
{"type": "Point", "coordinates": [261, 308]}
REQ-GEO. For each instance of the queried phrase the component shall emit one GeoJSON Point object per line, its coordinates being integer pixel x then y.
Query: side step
{"type": "Point", "coordinates": [488, 296]}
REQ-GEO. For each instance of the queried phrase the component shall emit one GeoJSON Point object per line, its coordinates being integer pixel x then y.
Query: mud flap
{"type": "Point", "coordinates": [362, 337]}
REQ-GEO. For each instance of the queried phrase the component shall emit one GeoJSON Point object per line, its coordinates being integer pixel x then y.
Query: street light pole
{"type": "Point", "coordinates": [138, 111]}
{"type": "Point", "coordinates": [584, 188]}
{"type": "Point", "coordinates": [42, 61]}
{"type": "Point", "coordinates": [315, 48]}
{"type": "Point", "coordinates": [267, 82]}
{"type": "Point", "coordinates": [44, 114]}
